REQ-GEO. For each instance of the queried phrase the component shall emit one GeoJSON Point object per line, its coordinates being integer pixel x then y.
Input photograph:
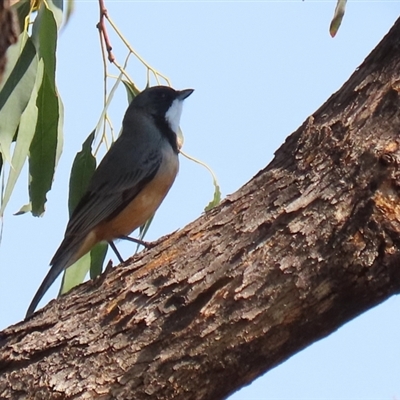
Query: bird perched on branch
{"type": "Point", "coordinates": [130, 182]}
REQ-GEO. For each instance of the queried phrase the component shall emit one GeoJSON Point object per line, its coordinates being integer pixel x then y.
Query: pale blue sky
{"type": "Point", "coordinates": [259, 69]}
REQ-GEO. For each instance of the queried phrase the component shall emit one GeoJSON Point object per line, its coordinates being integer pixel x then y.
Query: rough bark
{"type": "Point", "coordinates": [309, 243]}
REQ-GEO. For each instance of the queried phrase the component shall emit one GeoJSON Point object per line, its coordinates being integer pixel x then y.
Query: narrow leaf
{"type": "Point", "coordinates": [145, 227]}
{"type": "Point", "coordinates": [82, 170]}
{"type": "Point", "coordinates": [56, 7]}
{"type": "Point", "coordinates": [15, 95]}
{"type": "Point", "coordinates": [24, 209]}
{"type": "Point", "coordinates": [216, 199]}
{"type": "Point", "coordinates": [44, 36]}
{"type": "Point", "coordinates": [131, 90]}
{"type": "Point", "coordinates": [75, 274]}
{"type": "Point", "coordinates": [337, 17]}
{"type": "Point", "coordinates": [43, 147]}
{"type": "Point", "coordinates": [60, 135]}
{"type": "Point", "coordinates": [17, 88]}
{"type": "Point", "coordinates": [26, 131]}
{"type": "Point", "coordinates": [22, 61]}
{"type": "Point", "coordinates": [143, 230]}
{"type": "Point", "coordinates": [97, 257]}
{"type": "Point", "coordinates": [69, 10]}
{"type": "Point", "coordinates": [217, 192]}
{"type": "Point", "coordinates": [13, 54]}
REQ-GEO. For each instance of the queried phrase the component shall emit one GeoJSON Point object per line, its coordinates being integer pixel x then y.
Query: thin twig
{"type": "Point", "coordinates": [137, 55]}
{"type": "Point", "coordinates": [105, 75]}
{"type": "Point", "coordinates": [101, 26]}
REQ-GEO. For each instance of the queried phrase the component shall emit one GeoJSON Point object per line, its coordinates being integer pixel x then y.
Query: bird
{"type": "Point", "coordinates": [130, 182]}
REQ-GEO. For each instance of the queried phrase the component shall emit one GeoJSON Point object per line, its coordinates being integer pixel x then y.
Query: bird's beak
{"type": "Point", "coordinates": [182, 94]}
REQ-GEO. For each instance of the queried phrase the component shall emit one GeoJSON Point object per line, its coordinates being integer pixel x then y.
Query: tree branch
{"type": "Point", "coordinates": [101, 26]}
{"type": "Point", "coordinates": [308, 244]}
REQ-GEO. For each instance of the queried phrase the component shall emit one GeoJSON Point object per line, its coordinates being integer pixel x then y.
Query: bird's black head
{"type": "Point", "coordinates": [163, 102]}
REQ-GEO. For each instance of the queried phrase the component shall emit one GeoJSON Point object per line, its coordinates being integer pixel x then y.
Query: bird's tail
{"type": "Point", "coordinates": [55, 270]}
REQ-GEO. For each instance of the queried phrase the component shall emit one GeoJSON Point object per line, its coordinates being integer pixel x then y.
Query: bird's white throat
{"type": "Point", "coordinates": [173, 115]}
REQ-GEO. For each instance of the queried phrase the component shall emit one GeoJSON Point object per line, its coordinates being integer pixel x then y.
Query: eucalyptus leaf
{"type": "Point", "coordinates": [145, 227]}
{"type": "Point", "coordinates": [75, 274]}
{"type": "Point", "coordinates": [69, 10]}
{"type": "Point", "coordinates": [131, 90]}
{"type": "Point", "coordinates": [60, 135]}
{"type": "Point", "coordinates": [13, 54]}
{"type": "Point", "coordinates": [337, 17]}
{"type": "Point", "coordinates": [217, 191]}
{"type": "Point", "coordinates": [82, 170]}
{"type": "Point", "coordinates": [44, 36]}
{"type": "Point", "coordinates": [143, 230]}
{"type": "Point", "coordinates": [97, 257]}
{"type": "Point", "coordinates": [15, 95]}
{"type": "Point", "coordinates": [216, 198]}
{"type": "Point", "coordinates": [23, 70]}
{"type": "Point", "coordinates": [24, 209]}
{"type": "Point", "coordinates": [26, 131]}
{"type": "Point", "coordinates": [45, 147]}
{"type": "Point", "coordinates": [57, 8]}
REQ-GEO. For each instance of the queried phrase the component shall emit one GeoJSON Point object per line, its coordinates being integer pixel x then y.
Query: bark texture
{"type": "Point", "coordinates": [309, 243]}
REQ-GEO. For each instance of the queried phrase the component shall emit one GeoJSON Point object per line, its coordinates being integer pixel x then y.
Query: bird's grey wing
{"type": "Point", "coordinates": [121, 175]}
{"type": "Point", "coordinates": [115, 183]}
{"type": "Point", "coordinates": [103, 202]}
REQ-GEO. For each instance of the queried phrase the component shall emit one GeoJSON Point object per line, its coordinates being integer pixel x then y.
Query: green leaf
{"type": "Point", "coordinates": [60, 136]}
{"type": "Point", "coordinates": [24, 209]}
{"type": "Point", "coordinates": [131, 90]}
{"type": "Point", "coordinates": [13, 54]}
{"type": "Point", "coordinates": [217, 192]}
{"type": "Point", "coordinates": [75, 274]}
{"type": "Point", "coordinates": [69, 10]}
{"type": "Point", "coordinates": [143, 230]}
{"type": "Point", "coordinates": [97, 257]}
{"type": "Point", "coordinates": [15, 95]}
{"type": "Point", "coordinates": [26, 131]}
{"type": "Point", "coordinates": [217, 197]}
{"type": "Point", "coordinates": [145, 227]}
{"type": "Point", "coordinates": [337, 17]}
{"type": "Point", "coordinates": [44, 36]}
{"type": "Point", "coordinates": [56, 7]}
{"type": "Point", "coordinates": [44, 146]}
{"type": "Point", "coordinates": [82, 170]}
